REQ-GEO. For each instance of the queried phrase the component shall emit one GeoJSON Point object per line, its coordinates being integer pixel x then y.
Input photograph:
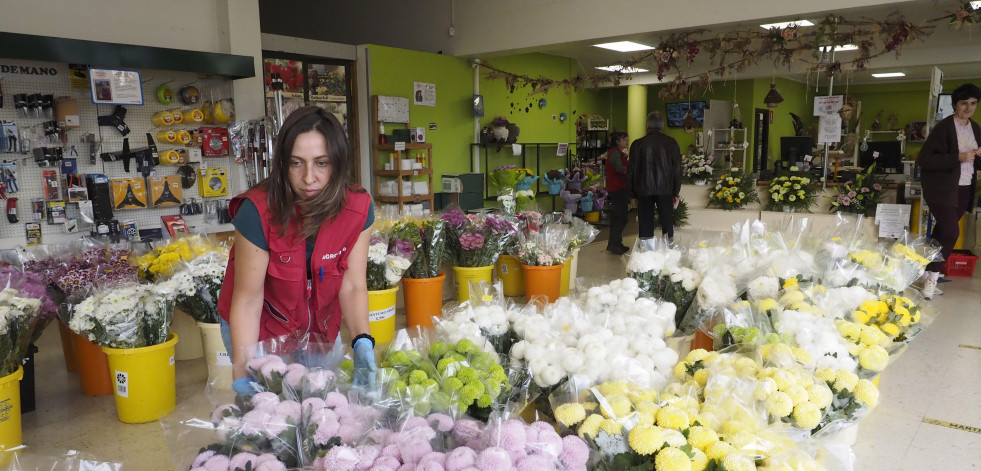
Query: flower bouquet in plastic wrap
{"type": "Point", "coordinates": [507, 177]}
{"type": "Point", "coordinates": [657, 267]}
{"type": "Point", "coordinates": [894, 266]}
{"type": "Point", "coordinates": [33, 285]}
{"type": "Point", "coordinates": [19, 317]}
{"type": "Point", "coordinates": [525, 200]}
{"type": "Point", "coordinates": [476, 240]}
{"type": "Point", "coordinates": [126, 314]}
{"type": "Point", "coordinates": [432, 249]}
{"type": "Point", "coordinates": [198, 284]}
{"type": "Point", "coordinates": [732, 191]}
{"type": "Point", "coordinates": [92, 265]}
{"type": "Point", "coordinates": [794, 191]}
{"type": "Point", "coordinates": [392, 249]}
{"type": "Point", "coordinates": [851, 398]}
{"type": "Point", "coordinates": [166, 256]}
{"type": "Point", "coordinates": [547, 246]}
{"type": "Point", "coordinates": [485, 320]}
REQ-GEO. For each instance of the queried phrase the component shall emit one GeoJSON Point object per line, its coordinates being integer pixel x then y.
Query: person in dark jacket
{"type": "Point", "coordinates": [616, 185]}
{"type": "Point", "coordinates": [949, 162]}
{"type": "Point", "coordinates": [654, 177]}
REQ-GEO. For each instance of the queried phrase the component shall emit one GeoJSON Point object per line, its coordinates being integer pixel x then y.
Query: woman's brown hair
{"type": "Point", "coordinates": [331, 200]}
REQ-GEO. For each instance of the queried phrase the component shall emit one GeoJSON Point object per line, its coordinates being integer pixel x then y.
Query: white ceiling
{"type": "Point", "coordinates": [570, 28]}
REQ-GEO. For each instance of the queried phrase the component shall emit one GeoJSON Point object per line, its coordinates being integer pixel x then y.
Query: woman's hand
{"type": "Point", "coordinates": [968, 156]}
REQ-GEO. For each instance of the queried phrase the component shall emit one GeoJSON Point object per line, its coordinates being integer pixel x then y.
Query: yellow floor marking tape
{"type": "Point", "coordinates": [966, 428]}
{"type": "Point", "coordinates": [969, 346]}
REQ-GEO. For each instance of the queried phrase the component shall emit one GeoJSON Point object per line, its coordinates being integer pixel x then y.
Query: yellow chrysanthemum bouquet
{"type": "Point", "coordinates": [796, 192]}
{"type": "Point", "coordinates": [898, 317]}
{"type": "Point", "coordinates": [733, 191]}
{"type": "Point", "coordinates": [896, 267]}
{"type": "Point", "coordinates": [853, 397]}
{"type": "Point", "coordinates": [166, 258]}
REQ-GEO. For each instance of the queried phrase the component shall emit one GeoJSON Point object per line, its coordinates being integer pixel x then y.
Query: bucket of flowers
{"type": "Point", "coordinates": [696, 168]}
{"type": "Point", "coordinates": [474, 242]}
{"type": "Point", "coordinates": [860, 196]}
{"type": "Point", "coordinates": [732, 191]}
{"type": "Point", "coordinates": [794, 192]}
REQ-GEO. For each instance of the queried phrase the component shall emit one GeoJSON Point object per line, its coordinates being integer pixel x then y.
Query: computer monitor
{"type": "Point", "coordinates": [794, 148]}
{"type": "Point", "coordinates": [886, 155]}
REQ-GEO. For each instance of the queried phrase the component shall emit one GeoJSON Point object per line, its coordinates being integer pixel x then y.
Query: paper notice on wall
{"type": "Point", "coordinates": [516, 149]}
{"type": "Point", "coordinates": [829, 129]}
{"type": "Point", "coordinates": [562, 150]}
{"type": "Point", "coordinates": [424, 94]}
{"type": "Point", "coordinates": [116, 87]}
{"type": "Point", "coordinates": [892, 219]}
{"type": "Point", "coordinates": [828, 105]}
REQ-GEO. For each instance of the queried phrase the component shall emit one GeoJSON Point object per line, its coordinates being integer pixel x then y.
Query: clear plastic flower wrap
{"type": "Point", "coordinates": [125, 314]}
{"type": "Point", "coordinates": [510, 443]}
{"type": "Point", "coordinates": [484, 319]}
{"type": "Point", "coordinates": [53, 460]}
{"type": "Point", "coordinates": [476, 240]}
{"type": "Point", "coordinates": [392, 249]}
{"type": "Point", "coordinates": [19, 317]}
{"type": "Point", "coordinates": [432, 250]}
{"type": "Point", "coordinates": [507, 201]}
{"type": "Point", "coordinates": [659, 268]}
{"type": "Point", "coordinates": [547, 246]}
{"type": "Point", "coordinates": [198, 284]}
{"type": "Point", "coordinates": [742, 323]}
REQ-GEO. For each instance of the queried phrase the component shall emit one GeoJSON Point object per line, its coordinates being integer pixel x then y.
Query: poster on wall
{"type": "Point", "coordinates": [424, 94]}
{"type": "Point", "coordinates": [291, 71]}
{"type": "Point", "coordinates": [327, 82]}
{"type": "Point", "coordinates": [115, 87]}
{"type": "Point", "coordinates": [78, 76]}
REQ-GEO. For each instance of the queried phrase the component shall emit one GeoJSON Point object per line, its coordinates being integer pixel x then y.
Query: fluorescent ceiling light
{"type": "Point", "coordinates": [624, 46]}
{"type": "Point", "coordinates": [787, 24]}
{"type": "Point", "coordinates": [889, 74]}
{"type": "Point", "coordinates": [619, 68]}
{"type": "Point", "coordinates": [843, 47]}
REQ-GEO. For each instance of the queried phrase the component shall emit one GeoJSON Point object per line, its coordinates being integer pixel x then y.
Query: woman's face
{"type": "Point", "coordinates": [964, 109]}
{"type": "Point", "coordinates": [622, 142]}
{"type": "Point", "coordinates": [310, 168]}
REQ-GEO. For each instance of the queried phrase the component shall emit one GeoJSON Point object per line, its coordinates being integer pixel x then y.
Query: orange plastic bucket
{"type": "Point", "coordinates": [68, 347]}
{"type": "Point", "coordinates": [542, 281]}
{"type": "Point", "coordinates": [93, 368]}
{"type": "Point", "coordinates": [423, 300]}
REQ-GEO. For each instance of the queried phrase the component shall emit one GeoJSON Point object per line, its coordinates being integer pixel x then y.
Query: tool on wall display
{"type": "Point", "coordinates": [12, 210]}
{"type": "Point", "coordinates": [9, 137]}
{"type": "Point", "coordinates": [165, 191]}
{"type": "Point", "coordinates": [214, 141]}
{"type": "Point", "coordinates": [212, 182]}
{"type": "Point", "coordinates": [128, 193]}
{"type": "Point", "coordinates": [93, 143]}
{"type": "Point", "coordinates": [8, 172]}
{"type": "Point", "coordinates": [52, 189]}
{"type": "Point", "coordinates": [116, 120]}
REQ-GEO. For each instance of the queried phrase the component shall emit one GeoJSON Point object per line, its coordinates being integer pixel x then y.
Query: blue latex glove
{"type": "Point", "coordinates": [364, 364]}
{"type": "Point", "coordinates": [245, 386]}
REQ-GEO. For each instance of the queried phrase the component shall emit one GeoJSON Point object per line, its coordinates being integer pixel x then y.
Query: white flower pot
{"type": "Point", "coordinates": [700, 182]}
{"type": "Point", "coordinates": [218, 361]}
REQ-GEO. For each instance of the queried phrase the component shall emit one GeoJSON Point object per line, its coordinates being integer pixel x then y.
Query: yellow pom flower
{"type": "Point", "coordinates": [790, 284]}
{"type": "Point", "coordinates": [764, 388]}
{"type": "Point", "coordinates": [681, 370]}
{"type": "Point", "coordinates": [620, 407]}
{"type": "Point", "coordinates": [890, 329]}
{"type": "Point", "coordinates": [873, 358]}
{"type": "Point", "coordinates": [862, 317]}
{"type": "Point", "coordinates": [853, 348]}
{"type": "Point", "coordinates": [850, 330]}
{"type": "Point", "coordinates": [672, 417]}
{"type": "Point", "coordinates": [701, 376]}
{"type": "Point", "coordinates": [570, 414]}
{"type": "Point", "coordinates": [645, 439]}
{"type": "Point", "coordinates": [611, 426]}
{"type": "Point", "coordinates": [806, 415]}
{"type": "Point", "coordinates": [872, 336]}
{"type": "Point", "coordinates": [710, 358]}
{"type": "Point", "coordinates": [699, 462]}
{"type": "Point", "coordinates": [696, 355]}
{"type": "Point", "coordinates": [867, 393]}
{"type": "Point", "coordinates": [732, 428]}
{"type": "Point", "coordinates": [779, 404]}
{"type": "Point", "coordinates": [769, 370]}
{"type": "Point", "coordinates": [738, 462]}
{"type": "Point", "coordinates": [672, 459]}
{"type": "Point", "coordinates": [647, 407]}
{"type": "Point", "coordinates": [590, 426]}
{"type": "Point", "coordinates": [766, 304]}
{"type": "Point", "coordinates": [819, 394]}
{"type": "Point", "coordinates": [701, 437]}
{"type": "Point", "coordinates": [797, 393]}
{"type": "Point", "coordinates": [802, 356]}
{"type": "Point", "coordinates": [845, 380]}
{"type": "Point", "coordinates": [611, 388]}
{"type": "Point", "coordinates": [645, 418]}
{"type": "Point", "coordinates": [784, 379]}
{"type": "Point", "coordinates": [826, 374]}
{"type": "Point", "coordinates": [719, 450]}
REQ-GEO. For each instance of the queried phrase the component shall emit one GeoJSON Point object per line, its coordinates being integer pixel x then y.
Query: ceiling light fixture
{"type": "Point", "coordinates": [773, 97]}
{"type": "Point", "coordinates": [787, 24]}
{"type": "Point", "coordinates": [889, 74]}
{"type": "Point", "coordinates": [619, 68]}
{"type": "Point", "coordinates": [624, 46]}
{"type": "Point", "coordinates": [843, 47]}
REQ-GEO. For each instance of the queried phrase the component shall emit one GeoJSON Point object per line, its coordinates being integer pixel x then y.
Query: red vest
{"type": "Point", "coordinates": [616, 181]}
{"type": "Point", "coordinates": [291, 303]}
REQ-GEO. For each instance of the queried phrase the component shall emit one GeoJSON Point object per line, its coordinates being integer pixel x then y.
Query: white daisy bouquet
{"type": "Point", "coordinates": [795, 191]}
{"type": "Point", "coordinates": [18, 319]}
{"type": "Point", "coordinates": [696, 166]}
{"type": "Point", "coordinates": [658, 269]}
{"type": "Point", "coordinates": [390, 253]}
{"type": "Point", "coordinates": [126, 315]}
{"type": "Point", "coordinates": [199, 283]}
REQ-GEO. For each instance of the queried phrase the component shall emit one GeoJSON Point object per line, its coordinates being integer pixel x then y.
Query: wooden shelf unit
{"type": "Point", "coordinates": [398, 173]}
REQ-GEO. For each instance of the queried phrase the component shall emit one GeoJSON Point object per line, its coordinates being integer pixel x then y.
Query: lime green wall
{"type": "Point", "coordinates": [393, 72]}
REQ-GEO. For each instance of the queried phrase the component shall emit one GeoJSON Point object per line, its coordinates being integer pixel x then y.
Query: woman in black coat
{"type": "Point", "coordinates": [948, 164]}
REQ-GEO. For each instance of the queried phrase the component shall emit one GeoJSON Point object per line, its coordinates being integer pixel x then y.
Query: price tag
{"type": "Point", "coordinates": [400, 145]}
{"type": "Point", "coordinates": [516, 149]}
{"type": "Point", "coordinates": [875, 154]}
{"type": "Point", "coordinates": [415, 173]}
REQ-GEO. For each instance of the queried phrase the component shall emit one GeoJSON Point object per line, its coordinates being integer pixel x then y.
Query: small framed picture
{"type": "Point", "coordinates": [917, 131]}
{"type": "Point", "coordinates": [700, 139]}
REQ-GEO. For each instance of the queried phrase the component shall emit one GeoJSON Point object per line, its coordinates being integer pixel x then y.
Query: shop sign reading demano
{"type": "Point", "coordinates": [33, 71]}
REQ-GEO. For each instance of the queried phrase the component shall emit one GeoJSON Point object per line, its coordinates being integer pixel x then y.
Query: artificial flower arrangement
{"type": "Point", "coordinates": [555, 180]}
{"type": "Point", "coordinates": [392, 248]}
{"type": "Point", "coordinates": [732, 191]}
{"type": "Point", "coordinates": [474, 240]}
{"type": "Point", "coordinates": [432, 252]}
{"type": "Point", "coordinates": [608, 325]}
{"type": "Point", "coordinates": [860, 196]}
{"type": "Point", "coordinates": [126, 315]}
{"type": "Point", "coordinates": [19, 318]}
{"type": "Point", "coordinates": [696, 166]}
{"type": "Point", "coordinates": [198, 284]}
{"type": "Point", "coordinates": [794, 191]}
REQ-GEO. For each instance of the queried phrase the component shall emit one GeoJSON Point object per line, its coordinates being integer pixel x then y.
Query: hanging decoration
{"type": "Point", "coordinates": [773, 97]}
{"type": "Point", "coordinates": [735, 51]}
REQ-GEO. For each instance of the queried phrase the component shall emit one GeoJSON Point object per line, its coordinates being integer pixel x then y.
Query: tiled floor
{"type": "Point", "coordinates": [939, 378]}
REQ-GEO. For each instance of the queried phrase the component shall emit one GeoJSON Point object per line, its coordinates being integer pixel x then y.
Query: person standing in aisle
{"type": "Point", "coordinates": [616, 185]}
{"type": "Point", "coordinates": [948, 162]}
{"type": "Point", "coordinates": [654, 177]}
{"type": "Point", "coordinates": [299, 263]}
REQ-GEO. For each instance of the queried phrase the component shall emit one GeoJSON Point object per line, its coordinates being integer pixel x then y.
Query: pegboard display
{"type": "Point", "coordinates": [139, 119]}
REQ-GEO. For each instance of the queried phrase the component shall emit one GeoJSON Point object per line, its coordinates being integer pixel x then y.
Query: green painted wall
{"type": "Point", "coordinates": [393, 72]}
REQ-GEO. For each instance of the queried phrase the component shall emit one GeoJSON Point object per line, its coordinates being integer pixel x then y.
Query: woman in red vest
{"type": "Point", "coordinates": [616, 185]}
{"type": "Point", "coordinates": [301, 249]}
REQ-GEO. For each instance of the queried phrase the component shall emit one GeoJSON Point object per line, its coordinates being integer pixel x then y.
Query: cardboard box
{"type": "Point", "coordinates": [212, 182]}
{"type": "Point", "coordinates": [66, 112]}
{"type": "Point", "coordinates": [128, 193]}
{"type": "Point", "coordinates": [165, 191]}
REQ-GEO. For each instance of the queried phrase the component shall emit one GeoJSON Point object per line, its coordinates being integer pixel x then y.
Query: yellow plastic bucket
{"type": "Point", "coordinates": [463, 276]}
{"type": "Point", "coordinates": [381, 314]}
{"type": "Point", "coordinates": [217, 358]}
{"type": "Point", "coordinates": [508, 270]}
{"type": "Point", "coordinates": [569, 271]}
{"type": "Point", "coordinates": [11, 435]}
{"type": "Point", "coordinates": [592, 216]}
{"type": "Point", "coordinates": [189, 348]}
{"type": "Point", "coordinates": [145, 379]}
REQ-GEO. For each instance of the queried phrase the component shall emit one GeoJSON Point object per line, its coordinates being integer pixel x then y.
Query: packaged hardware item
{"type": "Point", "coordinates": [128, 193]}
{"type": "Point", "coordinates": [165, 191]}
{"type": "Point", "coordinates": [212, 182]}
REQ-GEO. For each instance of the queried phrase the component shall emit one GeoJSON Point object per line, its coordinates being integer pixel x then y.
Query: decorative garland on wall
{"type": "Point", "coordinates": [736, 51]}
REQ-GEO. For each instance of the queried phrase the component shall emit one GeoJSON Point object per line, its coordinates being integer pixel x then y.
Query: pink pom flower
{"type": "Point", "coordinates": [367, 454]}
{"type": "Point", "coordinates": [534, 463]}
{"type": "Point", "coordinates": [407, 467]}
{"type": "Point", "coordinates": [217, 463]}
{"type": "Point", "coordinates": [320, 380]}
{"type": "Point", "coordinates": [392, 450]}
{"type": "Point", "coordinates": [326, 430]}
{"type": "Point", "coordinates": [387, 463]}
{"type": "Point", "coordinates": [433, 457]}
{"type": "Point", "coordinates": [494, 459]}
{"type": "Point", "coordinates": [289, 409]}
{"type": "Point", "coordinates": [380, 435]}
{"type": "Point", "coordinates": [255, 364]}
{"type": "Point", "coordinates": [340, 458]}
{"type": "Point", "coordinates": [414, 422]}
{"type": "Point", "coordinates": [312, 404]}
{"type": "Point", "coordinates": [202, 458]}
{"type": "Point", "coordinates": [273, 465]}
{"type": "Point", "coordinates": [277, 424]}
{"type": "Point", "coordinates": [350, 433]}
{"type": "Point", "coordinates": [242, 461]}
{"type": "Point", "coordinates": [335, 400]}
{"type": "Point", "coordinates": [254, 422]}
{"type": "Point", "coordinates": [574, 453]}
{"type": "Point", "coordinates": [465, 430]}
{"type": "Point", "coordinates": [413, 449]}
{"type": "Point", "coordinates": [226, 410]}
{"type": "Point", "coordinates": [441, 422]}
{"type": "Point", "coordinates": [460, 459]}
{"type": "Point", "coordinates": [294, 375]}
{"type": "Point", "coordinates": [273, 367]}
{"type": "Point", "coordinates": [510, 435]}
{"type": "Point", "coordinates": [265, 401]}
{"type": "Point", "coordinates": [430, 466]}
